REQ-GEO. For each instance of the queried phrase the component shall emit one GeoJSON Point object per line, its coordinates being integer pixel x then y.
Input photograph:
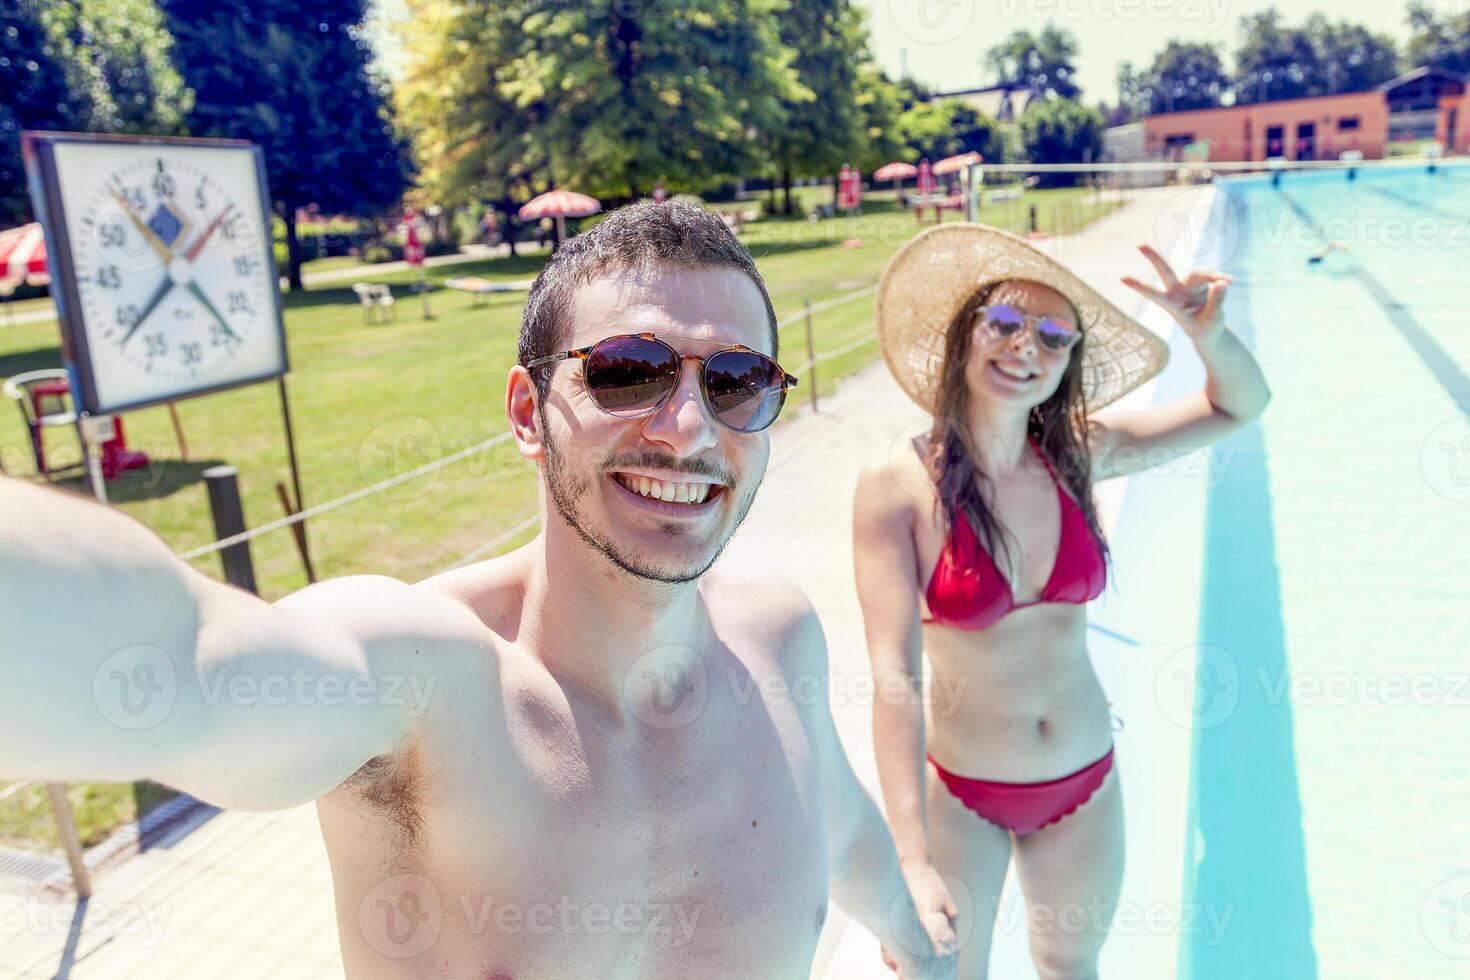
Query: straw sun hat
{"type": "Point", "coordinates": [936, 271]}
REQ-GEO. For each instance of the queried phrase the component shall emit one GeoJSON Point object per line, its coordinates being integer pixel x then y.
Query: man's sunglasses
{"type": "Point", "coordinates": [1005, 320]}
{"type": "Point", "coordinates": [632, 375]}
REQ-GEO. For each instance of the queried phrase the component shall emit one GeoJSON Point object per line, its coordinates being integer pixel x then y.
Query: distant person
{"type": "Point", "coordinates": [979, 544]}
{"type": "Point", "coordinates": [594, 756]}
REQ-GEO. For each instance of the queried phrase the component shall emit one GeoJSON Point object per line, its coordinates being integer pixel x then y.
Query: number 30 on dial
{"type": "Point", "coordinates": [169, 285]}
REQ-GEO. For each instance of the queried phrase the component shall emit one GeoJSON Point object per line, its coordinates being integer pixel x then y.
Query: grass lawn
{"type": "Point", "coordinates": [370, 402]}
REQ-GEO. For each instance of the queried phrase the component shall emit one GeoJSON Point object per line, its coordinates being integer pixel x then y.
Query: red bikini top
{"type": "Point", "coordinates": [968, 592]}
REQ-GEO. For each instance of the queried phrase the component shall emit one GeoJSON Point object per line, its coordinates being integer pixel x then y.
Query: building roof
{"type": "Point", "coordinates": [1440, 74]}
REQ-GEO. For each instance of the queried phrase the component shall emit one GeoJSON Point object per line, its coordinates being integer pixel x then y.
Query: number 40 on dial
{"type": "Point", "coordinates": [162, 264]}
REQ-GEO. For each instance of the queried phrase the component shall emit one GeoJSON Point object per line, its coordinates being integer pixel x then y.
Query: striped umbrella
{"type": "Point", "coordinates": [22, 258]}
{"type": "Point", "coordinates": [560, 204]}
{"type": "Point", "coordinates": [896, 172]}
{"type": "Point", "coordinates": [957, 163]}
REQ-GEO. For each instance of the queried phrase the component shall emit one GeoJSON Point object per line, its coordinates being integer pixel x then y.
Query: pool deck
{"type": "Point", "coordinates": [249, 895]}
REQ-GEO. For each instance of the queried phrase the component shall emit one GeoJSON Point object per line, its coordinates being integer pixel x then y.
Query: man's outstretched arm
{"type": "Point", "coordinates": [867, 881]}
{"type": "Point", "coordinates": [119, 662]}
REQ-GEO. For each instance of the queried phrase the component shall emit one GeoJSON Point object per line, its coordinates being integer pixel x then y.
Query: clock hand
{"type": "Point", "coordinates": [199, 294]}
{"type": "Point", "coordinates": [163, 290]}
{"type": "Point", "coordinates": [193, 251]}
{"type": "Point", "coordinates": [164, 252]}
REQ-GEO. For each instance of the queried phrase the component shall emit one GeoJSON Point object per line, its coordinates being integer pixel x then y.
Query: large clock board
{"type": "Point", "coordinates": [162, 265]}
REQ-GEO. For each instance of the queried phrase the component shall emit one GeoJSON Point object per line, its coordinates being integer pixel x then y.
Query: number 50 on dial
{"type": "Point", "coordinates": [162, 265]}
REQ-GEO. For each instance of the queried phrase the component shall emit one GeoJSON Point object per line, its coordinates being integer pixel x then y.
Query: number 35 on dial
{"type": "Point", "coordinates": [163, 251]}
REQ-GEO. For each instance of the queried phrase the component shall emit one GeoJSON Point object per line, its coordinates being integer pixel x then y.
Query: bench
{"type": "Point", "coordinates": [481, 288]}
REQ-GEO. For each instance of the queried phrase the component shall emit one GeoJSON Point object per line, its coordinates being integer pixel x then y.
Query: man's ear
{"type": "Point", "coordinates": [520, 410]}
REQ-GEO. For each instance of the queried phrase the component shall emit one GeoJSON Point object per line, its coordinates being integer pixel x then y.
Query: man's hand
{"type": "Point", "coordinates": [933, 955]}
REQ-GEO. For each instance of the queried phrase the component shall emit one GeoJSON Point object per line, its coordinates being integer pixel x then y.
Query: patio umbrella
{"type": "Point", "coordinates": [560, 204]}
{"type": "Point", "coordinates": [895, 172]}
{"type": "Point", "coordinates": [22, 258]}
{"type": "Point", "coordinates": [926, 178]}
{"type": "Point", "coordinates": [957, 163]}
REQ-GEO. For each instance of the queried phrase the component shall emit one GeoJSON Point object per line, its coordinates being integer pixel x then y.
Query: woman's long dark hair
{"type": "Point", "coordinates": [1059, 425]}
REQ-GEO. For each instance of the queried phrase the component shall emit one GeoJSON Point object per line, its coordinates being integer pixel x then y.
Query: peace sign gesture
{"type": "Point", "coordinates": [1196, 301]}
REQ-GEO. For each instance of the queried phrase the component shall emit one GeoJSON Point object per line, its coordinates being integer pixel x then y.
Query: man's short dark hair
{"type": "Point", "coordinates": [638, 237]}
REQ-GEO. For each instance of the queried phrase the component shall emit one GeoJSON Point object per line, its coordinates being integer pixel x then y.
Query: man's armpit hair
{"type": "Point", "coordinates": [392, 785]}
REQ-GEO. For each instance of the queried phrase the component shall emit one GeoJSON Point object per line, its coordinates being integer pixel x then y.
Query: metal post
{"type": "Point", "coordinates": [811, 357]}
{"type": "Point", "coordinates": [1033, 218]}
{"type": "Point", "coordinates": [66, 829]}
{"type": "Point", "coordinates": [229, 519]}
{"type": "Point", "coordinates": [291, 455]}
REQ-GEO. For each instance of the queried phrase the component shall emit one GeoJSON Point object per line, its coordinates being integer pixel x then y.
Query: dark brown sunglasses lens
{"type": "Point", "coordinates": [630, 375]}
{"type": "Point", "coordinates": [745, 389]}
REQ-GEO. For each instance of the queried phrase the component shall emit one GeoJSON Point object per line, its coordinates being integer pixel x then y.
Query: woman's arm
{"type": "Point", "coordinates": [1235, 390]}
{"type": "Point", "coordinates": [885, 564]}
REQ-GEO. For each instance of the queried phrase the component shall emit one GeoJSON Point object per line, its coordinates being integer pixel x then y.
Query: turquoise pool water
{"type": "Point", "coordinates": [1329, 798]}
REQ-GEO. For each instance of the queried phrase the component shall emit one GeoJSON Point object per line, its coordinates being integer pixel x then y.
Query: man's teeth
{"type": "Point", "coordinates": [677, 493]}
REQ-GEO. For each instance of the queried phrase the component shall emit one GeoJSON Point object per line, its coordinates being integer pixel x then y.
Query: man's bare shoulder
{"type": "Point", "coordinates": [768, 605]}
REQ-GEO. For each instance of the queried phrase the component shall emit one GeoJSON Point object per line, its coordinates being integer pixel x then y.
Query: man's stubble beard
{"type": "Point", "coordinates": [566, 489]}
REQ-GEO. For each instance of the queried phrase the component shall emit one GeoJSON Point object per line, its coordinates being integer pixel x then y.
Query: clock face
{"type": "Point", "coordinates": [169, 254]}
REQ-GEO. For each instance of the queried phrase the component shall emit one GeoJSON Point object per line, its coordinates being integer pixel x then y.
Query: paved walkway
{"type": "Point", "coordinates": [249, 895]}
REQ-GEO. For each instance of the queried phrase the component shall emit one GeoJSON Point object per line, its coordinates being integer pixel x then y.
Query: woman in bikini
{"type": "Point", "coordinates": [979, 543]}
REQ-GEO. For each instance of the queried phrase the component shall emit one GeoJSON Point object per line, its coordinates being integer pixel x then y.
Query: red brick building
{"type": "Point", "coordinates": [1426, 103]}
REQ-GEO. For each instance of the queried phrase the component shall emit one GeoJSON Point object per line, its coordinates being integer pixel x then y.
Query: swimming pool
{"type": "Point", "coordinates": [1309, 687]}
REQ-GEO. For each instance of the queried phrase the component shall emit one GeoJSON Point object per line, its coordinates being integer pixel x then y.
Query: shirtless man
{"type": "Point", "coordinates": [588, 758]}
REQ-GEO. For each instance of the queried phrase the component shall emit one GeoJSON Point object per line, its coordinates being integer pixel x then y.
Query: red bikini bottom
{"type": "Point", "coordinates": [1025, 807]}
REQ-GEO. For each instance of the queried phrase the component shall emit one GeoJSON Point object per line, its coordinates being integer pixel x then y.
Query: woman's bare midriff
{"type": "Point", "coordinates": [1018, 702]}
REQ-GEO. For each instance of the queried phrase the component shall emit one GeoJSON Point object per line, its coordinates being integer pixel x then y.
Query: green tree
{"type": "Point", "coordinates": [949, 126]}
{"type": "Point", "coordinates": [602, 97]}
{"type": "Point", "coordinates": [35, 96]}
{"type": "Point", "coordinates": [1046, 61]}
{"type": "Point", "coordinates": [1438, 42]}
{"type": "Point", "coordinates": [1273, 61]}
{"type": "Point", "coordinates": [296, 79]}
{"type": "Point", "coordinates": [116, 57]}
{"type": "Point", "coordinates": [824, 127]}
{"type": "Point", "coordinates": [1350, 58]}
{"type": "Point", "coordinates": [1183, 76]}
{"type": "Point", "coordinates": [1061, 131]}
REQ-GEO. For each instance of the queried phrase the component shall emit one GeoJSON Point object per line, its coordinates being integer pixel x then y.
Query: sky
{"type": "Point", "coordinates": [943, 42]}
